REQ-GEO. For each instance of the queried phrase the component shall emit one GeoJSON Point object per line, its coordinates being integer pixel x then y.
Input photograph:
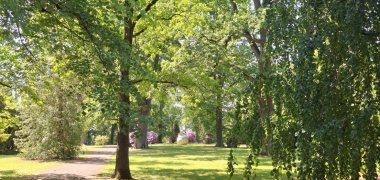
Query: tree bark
{"type": "Point", "coordinates": [141, 141]}
{"type": "Point", "coordinates": [219, 113]}
{"type": "Point", "coordinates": [122, 170]}
{"type": "Point", "coordinates": [176, 131]}
{"type": "Point", "coordinates": [264, 101]}
{"type": "Point", "coordinates": [112, 136]}
{"type": "Point", "coordinates": [160, 125]}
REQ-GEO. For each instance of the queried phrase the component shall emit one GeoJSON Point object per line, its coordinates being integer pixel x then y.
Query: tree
{"type": "Point", "coordinates": [116, 55]}
{"type": "Point", "coordinates": [325, 57]}
{"type": "Point", "coordinates": [53, 128]}
{"type": "Point", "coordinates": [8, 122]}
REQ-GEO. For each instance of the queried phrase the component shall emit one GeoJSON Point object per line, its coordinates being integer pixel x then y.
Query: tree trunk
{"type": "Point", "coordinates": [160, 125]}
{"type": "Point", "coordinates": [264, 65]}
{"type": "Point", "coordinates": [219, 113]}
{"type": "Point", "coordinates": [112, 136]}
{"type": "Point", "coordinates": [176, 132]}
{"type": "Point", "coordinates": [141, 141]}
{"type": "Point", "coordinates": [122, 170]}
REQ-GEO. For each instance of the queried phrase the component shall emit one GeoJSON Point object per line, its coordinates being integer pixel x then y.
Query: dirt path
{"type": "Point", "coordinates": [85, 167]}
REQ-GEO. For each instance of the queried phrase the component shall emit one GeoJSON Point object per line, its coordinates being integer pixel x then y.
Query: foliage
{"type": "Point", "coordinates": [230, 164]}
{"type": "Point", "coordinates": [101, 140]}
{"type": "Point", "coordinates": [191, 136]}
{"type": "Point", "coordinates": [248, 167]}
{"type": "Point", "coordinates": [152, 137]}
{"type": "Point", "coordinates": [53, 129]}
{"type": "Point", "coordinates": [325, 57]}
{"type": "Point", "coordinates": [297, 79]}
{"type": "Point", "coordinates": [8, 122]}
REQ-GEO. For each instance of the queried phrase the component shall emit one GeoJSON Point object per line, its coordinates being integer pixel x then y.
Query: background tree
{"type": "Point", "coordinates": [52, 129]}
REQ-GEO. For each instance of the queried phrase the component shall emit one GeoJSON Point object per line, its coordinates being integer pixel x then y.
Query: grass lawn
{"type": "Point", "coordinates": [12, 166]}
{"type": "Point", "coordinates": [195, 161]}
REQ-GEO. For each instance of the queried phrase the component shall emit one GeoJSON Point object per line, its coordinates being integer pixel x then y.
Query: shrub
{"type": "Point", "coordinates": [208, 139]}
{"type": "Point", "coordinates": [53, 129]}
{"type": "Point", "coordinates": [101, 140]}
{"type": "Point", "coordinates": [152, 137]}
{"type": "Point", "coordinates": [191, 136]}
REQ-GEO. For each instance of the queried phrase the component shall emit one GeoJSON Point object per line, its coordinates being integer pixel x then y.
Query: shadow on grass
{"type": "Point", "coordinates": [186, 174]}
{"type": "Point", "coordinates": [188, 163]}
{"type": "Point", "coordinates": [12, 175]}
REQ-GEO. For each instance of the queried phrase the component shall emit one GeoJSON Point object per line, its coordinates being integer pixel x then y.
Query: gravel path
{"type": "Point", "coordinates": [85, 167]}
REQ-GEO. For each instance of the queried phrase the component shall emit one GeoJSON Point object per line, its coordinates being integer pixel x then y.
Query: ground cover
{"type": "Point", "coordinates": [195, 162]}
{"type": "Point", "coordinates": [12, 166]}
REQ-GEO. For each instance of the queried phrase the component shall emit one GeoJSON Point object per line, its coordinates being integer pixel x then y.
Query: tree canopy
{"type": "Point", "coordinates": [298, 80]}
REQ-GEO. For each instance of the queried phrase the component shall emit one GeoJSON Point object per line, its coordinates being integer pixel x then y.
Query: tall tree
{"type": "Point", "coordinates": [72, 25]}
{"type": "Point", "coordinates": [326, 58]}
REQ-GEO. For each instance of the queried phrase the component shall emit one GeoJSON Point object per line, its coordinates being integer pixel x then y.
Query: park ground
{"type": "Point", "coordinates": [161, 161]}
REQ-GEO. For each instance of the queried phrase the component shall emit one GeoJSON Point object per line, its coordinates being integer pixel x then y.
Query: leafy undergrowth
{"type": "Point", "coordinates": [195, 161]}
{"type": "Point", "coordinates": [13, 167]}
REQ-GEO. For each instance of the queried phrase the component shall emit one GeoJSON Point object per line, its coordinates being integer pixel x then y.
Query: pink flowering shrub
{"type": "Point", "coordinates": [191, 136]}
{"type": "Point", "coordinates": [151, 137]}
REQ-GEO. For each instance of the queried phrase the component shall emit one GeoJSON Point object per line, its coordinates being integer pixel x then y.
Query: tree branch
{"type": "Point", "coordinates": [208, 39]}
{"type": "Point", "coordinates": [233, 6]}
{"type": "Point", "coordinates": [252, 44]}
{"type": "Point", "coordinates": [140, 32]}
{"type": "Point", "coordinates": [6, 85]}
{"type": "Point", "coordinates": [257, 4]}
{"type": "Point", "coordinates": [158, 81]}
{"type": "Point", "coordinates": [169, 18]}
{"type": "Point", "coordinates": [147, 8]}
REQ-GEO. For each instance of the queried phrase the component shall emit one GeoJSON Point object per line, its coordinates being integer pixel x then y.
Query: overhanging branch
{"type": "Point", "coordinates": [4, 84]}
{"type": "Point", "coordinates": [140, 32]}
{"type": "Point", "coordinates": [146, 9]}
{"type": "Point", "coordinates": [158, 81]}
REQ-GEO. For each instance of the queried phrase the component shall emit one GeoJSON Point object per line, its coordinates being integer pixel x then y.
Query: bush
{"type": "Point", "coordinates": [208, 139]}
{"type": "Point", "coordinates": [52, 129]}
{"type": "Point", "coordinates": [152, 137]}
{"type": "Point", "coordinates": [191, 136]}
{"type": "Point", "coordinates": [101, 140]}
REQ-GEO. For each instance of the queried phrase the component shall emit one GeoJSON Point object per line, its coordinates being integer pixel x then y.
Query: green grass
{"type": "Point", "coordinates": [196, 161]}
{"type": "Point", "coordinates": [87, 148]}
{"type": "Point", "coordinates": [12, 166]}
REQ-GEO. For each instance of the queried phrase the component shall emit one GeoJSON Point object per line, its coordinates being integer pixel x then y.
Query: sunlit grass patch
{"type": "Point", "coordinates": [12, 166]}
{"type": "Point", "coordinates": [195, 161]}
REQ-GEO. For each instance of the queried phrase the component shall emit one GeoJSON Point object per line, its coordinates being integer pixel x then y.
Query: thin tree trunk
{"type": "Point", "coordinates": [219, 114]}
{"type": "Point", "coordinates": [160, 125]}
{"type": "Point", "coordinates": [112, 136]}
{"type": "Point", "coordinates": [176, 131]}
